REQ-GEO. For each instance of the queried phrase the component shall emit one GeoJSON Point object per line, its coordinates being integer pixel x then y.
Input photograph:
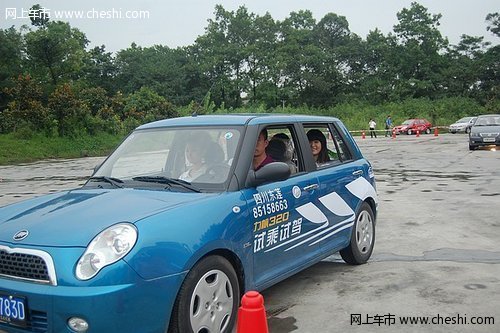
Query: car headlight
{"type": "Point", "coordinates": [105, 249]}
{"type": "Point", "coordinates": [474, 135]}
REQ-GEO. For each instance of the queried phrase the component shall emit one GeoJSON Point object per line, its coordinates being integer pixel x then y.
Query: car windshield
{"type": "Point", "coordinates": [173, 157]}
{"type": "Point", "coordinates": [488, 121]}
{"type": "Point", "coordinates": [463, 120]}
{"type": "Point", "coordinates": [408, 122]}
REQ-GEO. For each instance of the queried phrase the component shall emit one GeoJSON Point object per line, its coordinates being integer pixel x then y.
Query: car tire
{"type": "Point", "coordinates": [428, 131]}
{"type": "Point", "coordinates": [208, 299]}
{"type": "Point", "coordinates": [409, 132]}
{"type": "Point", "coordinates": [362, 237]}
{"type": "Point", "coordinates": [467, 130]}
{"type": "Point", "coordinates": [471, 147]}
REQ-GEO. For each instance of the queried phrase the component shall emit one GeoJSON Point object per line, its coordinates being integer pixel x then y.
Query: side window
{"type": "Point", "coordinates": [342, 150]}
{"type": "Point", "coordinates": [282, 147]}
{"type": "Point", "coordinates": [327, 146]}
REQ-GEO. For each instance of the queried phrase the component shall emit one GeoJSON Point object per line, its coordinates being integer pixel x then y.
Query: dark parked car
{"type": "Point", "coordinates": [139, 249]}
{"type": "Point", "coordinates": [411, 126]}
{"type": "Point", "coordinates": [485, 131]}
{"type": "Point", "coordinates": [462, 125]}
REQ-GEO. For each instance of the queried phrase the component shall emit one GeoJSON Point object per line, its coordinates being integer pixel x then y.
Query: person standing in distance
{"type": "Point", "coordinates": [372, 125]}
{"type": "Point", "coordinates": [388, 126]}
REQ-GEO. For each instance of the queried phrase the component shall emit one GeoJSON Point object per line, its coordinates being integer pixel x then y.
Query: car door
{"type": "Point", "coordinates": [280, 231]}
{"type": "Point", "coordinates": [337, 181]}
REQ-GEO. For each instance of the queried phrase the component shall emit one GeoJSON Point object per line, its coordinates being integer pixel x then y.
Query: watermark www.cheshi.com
{"type": "Point", "coordinates": [391, 319]}
{"type": "Point", "coordinates": [92, 14]}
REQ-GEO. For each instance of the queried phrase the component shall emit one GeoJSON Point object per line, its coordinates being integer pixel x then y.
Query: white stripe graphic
{"type": "Point", "coordinates": [322, 232]}
{"type": "Point", "coordinates": [312, 213]}
{"type": "Point", "coordinates": [333, 233]}
{"type": "Point", "coordinates": [335, 204]}
{"type": "Point", "coordinates": [297, 238]}
{"type": "Point", "coordinates": [362, 189]}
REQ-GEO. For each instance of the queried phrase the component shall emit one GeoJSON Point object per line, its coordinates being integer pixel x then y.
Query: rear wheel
{"type": "Point", "coordinates": [362, 237]}
{"type": "Point", "coordinates": [208, 299]}
{"type": "Point", "coordinates": [428, 131]}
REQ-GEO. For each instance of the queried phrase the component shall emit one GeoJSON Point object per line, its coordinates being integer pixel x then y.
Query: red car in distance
{"type": "Point", "coordinates": [411, 126]}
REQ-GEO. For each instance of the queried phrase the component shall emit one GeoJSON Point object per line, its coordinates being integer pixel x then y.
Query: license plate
{"type": "Point", "coordinates": [489, 139]}
{"type": "Point", "coordinates": [13, 310]}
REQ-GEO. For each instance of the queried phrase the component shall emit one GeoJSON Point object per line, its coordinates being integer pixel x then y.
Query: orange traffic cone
{"type": "Point", "coordinates": [363, 135]}
{"type": "Point", "coordinates": [418, 133]}
{"type": "Point", "coordinates": [252, 314]}
{"type": "Point", "coordinates": [393, 133]}
{"type": "Point", "coordinates": [436, 131]}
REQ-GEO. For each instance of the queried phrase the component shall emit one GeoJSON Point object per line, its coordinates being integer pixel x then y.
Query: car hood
{"type": "Point", "coordinates": [73, 218]}
{"type": "Point", "coordinates": [486, 129]}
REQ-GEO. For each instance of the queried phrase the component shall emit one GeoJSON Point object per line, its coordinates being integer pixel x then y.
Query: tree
{"type": "Point", "coordinates": [494, 23]}
{"type": "Point", "coordinates": [25, 107]}
{"type": "Point", "coordinates": [11, 52]}
{"type": "Point", "coordinates": [66, 109]}
{"type": "Point", "coordinates": [296, 51]}
{"type": "Point", "coordinates": [461, 75]}
{"type": "Point", "coordinates": [100, 68]}
{"type": "Point", "coordinates": [55, 52]}
{"type": "Point", "coordinates": [335, 61]}
{"type": "Point", "coordinates": [146, 105]}
{"type": "Point", "coordinates": [159, 68]}
{"type": "Point", "coordinates": [420, 64]}
{"type": "Point", "coordinates": [39, 16]}
{"type": "Point", "coordinates": [220, 53]}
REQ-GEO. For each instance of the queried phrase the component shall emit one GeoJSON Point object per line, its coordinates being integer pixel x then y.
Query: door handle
{"type": "Point", "coordinates": [311, 187]}
{"type": "Point", "coordinates": [357, 173]}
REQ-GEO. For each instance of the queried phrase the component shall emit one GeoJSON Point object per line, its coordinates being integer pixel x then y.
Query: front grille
{"type": "Point", "coordinates": [489, 135]}
{"type": "Point", "coordinates": [26, 264]}
{"type": "Point", "coordinates": [22, 265]}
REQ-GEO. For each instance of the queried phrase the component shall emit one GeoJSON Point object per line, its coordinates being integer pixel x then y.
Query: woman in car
{"type": "Point", "coordinates": [317, 140]}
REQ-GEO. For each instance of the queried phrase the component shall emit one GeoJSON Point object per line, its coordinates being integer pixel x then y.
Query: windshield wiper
{"type": "Point", "coordinates": [110, 180]}
{"type": "Point", "coordinates": [167, 181]}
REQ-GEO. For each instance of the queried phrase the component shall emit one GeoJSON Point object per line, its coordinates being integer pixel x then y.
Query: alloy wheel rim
{"type": "Point", "coordinates": [364, 232]}
{"type": "Point", "coordinates": [211, 303]}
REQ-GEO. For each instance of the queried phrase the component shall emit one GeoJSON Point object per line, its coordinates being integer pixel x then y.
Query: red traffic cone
{"type": "Point", "coordinates": [418, 133]}
{"type": "Point", "coordinates": [436, 131]}
{"type": "Point", "coordinates": [393, 133]}
{"type": "Point", "coordinates": [363, 135]}
{"type": "Point", "coordinates": [252, 314]}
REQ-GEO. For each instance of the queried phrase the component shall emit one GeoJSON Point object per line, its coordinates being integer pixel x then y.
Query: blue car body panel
{"type": "Point", "coordinates": [268, 232]}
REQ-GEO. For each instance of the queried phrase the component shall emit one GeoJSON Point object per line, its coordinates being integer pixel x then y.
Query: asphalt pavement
{"type": "Point", "coordinates": [436, 257]}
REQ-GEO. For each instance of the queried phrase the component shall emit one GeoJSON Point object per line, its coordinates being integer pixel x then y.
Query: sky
{"type": "Point", "coordinates": [178, 23]}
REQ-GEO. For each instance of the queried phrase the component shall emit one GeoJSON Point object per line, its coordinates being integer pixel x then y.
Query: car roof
{"type": "Point", "coordinates": [236, 120]}
{"type": "Point", "coordinates": [488, 115]}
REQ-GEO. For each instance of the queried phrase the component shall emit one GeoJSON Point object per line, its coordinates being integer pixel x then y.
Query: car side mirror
{"type": "Point", "coordinates": [272, 172]}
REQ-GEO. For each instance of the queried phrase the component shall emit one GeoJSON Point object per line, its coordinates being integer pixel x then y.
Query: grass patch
{"type": "Point", "coordinates": [21, 149]}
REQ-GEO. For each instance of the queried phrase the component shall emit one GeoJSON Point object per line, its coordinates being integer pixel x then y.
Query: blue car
{"type": "Point", "coordinates": [180, 220]}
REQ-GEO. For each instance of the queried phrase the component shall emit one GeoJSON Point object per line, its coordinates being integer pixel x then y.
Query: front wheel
{"type": "Point", "coordinates": [362, 237]}
{"type": "Point", "coordinates": [409, 132]}
{"type": "Point", "coordinates": [208, 299]}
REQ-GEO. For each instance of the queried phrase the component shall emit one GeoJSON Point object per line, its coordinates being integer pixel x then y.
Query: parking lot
{"type": "Point", "coordinates": [436, 254]}
{"type": "Point", "coordinates": [437, 251]}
